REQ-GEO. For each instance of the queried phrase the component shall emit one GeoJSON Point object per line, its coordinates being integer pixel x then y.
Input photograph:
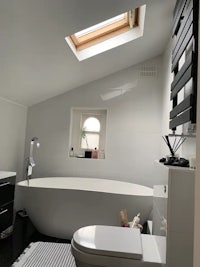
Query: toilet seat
{"type": "Point", "coordinates": [112, 246]}
{"type": "Point", "coordinates": [109, 241]}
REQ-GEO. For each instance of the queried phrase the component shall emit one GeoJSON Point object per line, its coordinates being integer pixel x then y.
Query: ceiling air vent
{"type": "Point", "coordinates": [148, 71]}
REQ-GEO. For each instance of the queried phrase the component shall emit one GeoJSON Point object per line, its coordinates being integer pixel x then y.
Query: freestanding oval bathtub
{"type": "Point", "coordinates": [58, 206]}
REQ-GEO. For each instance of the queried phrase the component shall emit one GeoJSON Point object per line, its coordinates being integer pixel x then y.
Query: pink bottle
{"type": "Point", "coordinates": [95, 153]}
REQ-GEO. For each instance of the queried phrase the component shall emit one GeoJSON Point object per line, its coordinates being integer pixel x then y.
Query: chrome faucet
{"type": "Point", "coordinates": [30, 160]}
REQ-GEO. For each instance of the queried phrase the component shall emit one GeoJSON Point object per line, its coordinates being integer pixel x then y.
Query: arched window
{"type": "Point", "coordinates": [90, 133]}
{"type": "Point", "coordinates": [92, 124]}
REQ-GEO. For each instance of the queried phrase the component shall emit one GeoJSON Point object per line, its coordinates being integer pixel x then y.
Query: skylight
{"type": "Point", "coordinates": [100, 25]}
{"type": "Point", "coordinates": [107, 34]}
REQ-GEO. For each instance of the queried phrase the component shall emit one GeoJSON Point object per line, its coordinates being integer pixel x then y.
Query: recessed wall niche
{"type": "Point", "coordinates": [87, 133]}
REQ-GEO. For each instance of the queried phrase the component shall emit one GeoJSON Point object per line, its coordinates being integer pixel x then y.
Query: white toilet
{"type": "Point", "coordinates": [112, 246]}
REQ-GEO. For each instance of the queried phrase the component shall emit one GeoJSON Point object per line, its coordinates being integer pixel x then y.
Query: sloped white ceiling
{"type": "Point", "coordinates": [37, 64]}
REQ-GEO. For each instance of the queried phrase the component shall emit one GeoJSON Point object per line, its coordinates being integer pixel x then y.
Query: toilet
{"type": "Point", "coordinates": [112, 246]}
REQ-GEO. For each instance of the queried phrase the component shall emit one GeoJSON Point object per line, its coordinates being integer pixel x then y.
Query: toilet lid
{"type": "Point", "coordinates": [109, 241]}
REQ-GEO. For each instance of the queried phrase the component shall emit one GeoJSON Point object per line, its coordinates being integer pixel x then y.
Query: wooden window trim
{"type": "Point", "coordinates": [106, 32]}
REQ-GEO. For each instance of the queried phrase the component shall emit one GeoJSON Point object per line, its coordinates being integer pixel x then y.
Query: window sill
{"type": "Point", "coordinates": [80, 157]}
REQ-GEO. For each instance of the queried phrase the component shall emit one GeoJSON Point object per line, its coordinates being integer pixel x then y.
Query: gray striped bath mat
{"type": "Point", "coordinates": [45, 254]}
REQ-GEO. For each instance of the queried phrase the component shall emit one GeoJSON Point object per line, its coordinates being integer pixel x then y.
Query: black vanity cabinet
{"type": "Point", "coordinates": [7, 190]}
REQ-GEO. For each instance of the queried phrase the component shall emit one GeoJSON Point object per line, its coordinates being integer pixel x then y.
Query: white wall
{"type": "Point", "coordinates": [133, 129]}
{"type": "Point", "coordinates": [12, 136]}
{"type": "Point", "coordinates": [166, 103]}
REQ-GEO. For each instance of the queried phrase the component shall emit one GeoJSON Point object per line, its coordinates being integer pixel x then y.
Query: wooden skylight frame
{"type": "Point", "coordinates": [128, 22]}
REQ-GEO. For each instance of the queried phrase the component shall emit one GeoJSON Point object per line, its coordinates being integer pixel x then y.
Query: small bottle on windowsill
{"type": "Point", "coordinates": [71, 152]}
{"type": "Point", "coordinates": [95, 153]}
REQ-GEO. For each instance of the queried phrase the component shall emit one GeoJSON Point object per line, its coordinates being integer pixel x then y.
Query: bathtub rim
{"type": "Point", "coordinates": [145, 192]}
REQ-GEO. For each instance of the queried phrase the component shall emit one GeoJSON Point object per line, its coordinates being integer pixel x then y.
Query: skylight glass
{"type": "Point", "coordinates": [100, 25]}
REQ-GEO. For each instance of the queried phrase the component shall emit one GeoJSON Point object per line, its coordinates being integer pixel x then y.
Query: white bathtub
{"type": "Point", "coordinates": [59, 206]}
